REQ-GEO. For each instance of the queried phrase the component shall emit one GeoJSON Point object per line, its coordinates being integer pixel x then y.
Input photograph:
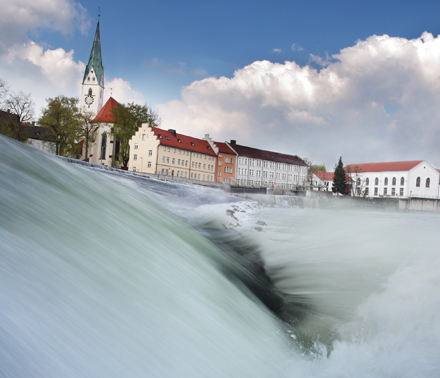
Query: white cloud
{"type": "Point", "coordinates": [342, 109]}
{"type": "Point", "coordinates": [277, 50]}
{"type": "Point", "coordinates": [122, 92]}
{"type": "Point", "coordinates": [296, 47]}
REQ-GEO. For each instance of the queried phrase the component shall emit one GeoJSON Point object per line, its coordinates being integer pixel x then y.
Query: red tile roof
{"type": "Point", "coordinates": [171, 139]}
{"type": "Point", "coordinates": [324, 175]}
{"type": "Point", "coordinates": [224, 148]}
{"type": "Point", "coordinates": [328, 176]}
{"type": "Point", "coordinates": [384, 167]}
{"type": "Point", "coordinates": [254, 153]}
{"type": "Point", "coordinates": [105, 114]}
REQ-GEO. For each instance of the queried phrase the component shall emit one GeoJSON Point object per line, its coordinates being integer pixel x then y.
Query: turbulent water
{"type": "Point", "coordinates": [105, 275]}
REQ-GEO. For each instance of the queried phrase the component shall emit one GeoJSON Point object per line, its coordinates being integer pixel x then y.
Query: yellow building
{"type": "Point", "coordinates": [157, 151]}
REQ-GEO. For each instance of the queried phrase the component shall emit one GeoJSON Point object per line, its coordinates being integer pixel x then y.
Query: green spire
{"type": "Point", "coordinates": [95, 60]}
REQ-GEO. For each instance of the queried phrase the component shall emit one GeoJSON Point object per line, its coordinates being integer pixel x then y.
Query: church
{"type": "Point", "coordinates": [102, 148]}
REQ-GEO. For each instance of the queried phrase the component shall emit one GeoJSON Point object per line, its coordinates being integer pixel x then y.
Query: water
{"type": "Point", "coordinates": [107, 276]}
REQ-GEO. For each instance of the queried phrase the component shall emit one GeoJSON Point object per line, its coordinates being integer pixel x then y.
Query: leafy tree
{"type": "Point", "coordinates": [339, 179]}
{"type": "Point", "coordinates": [313, 168]}
{"type": "Point", "coordinates": [127, 120]}
{"type": "Point", "coordinates": [62, 117]}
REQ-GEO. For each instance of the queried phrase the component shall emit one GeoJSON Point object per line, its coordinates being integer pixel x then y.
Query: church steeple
{"type": "Point", "coordinates": [92, 92]}
{"type": "Point", "coordinates": [95, 60]}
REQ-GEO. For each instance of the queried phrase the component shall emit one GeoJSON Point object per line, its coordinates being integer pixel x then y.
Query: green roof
{"type": "Point", "coordinates": [95, 60]}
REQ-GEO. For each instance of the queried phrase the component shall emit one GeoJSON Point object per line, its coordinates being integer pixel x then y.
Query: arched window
{"type": "Point", "coordinates": [386, 181]}
{"type": "Point", "coordinates": [402, 181]}
{"type": "Point", "coordinates": [90, 91]}
{"type": "Point", "coordinates": [367, 181]}
{"type": "Point", "coordinates": [418, 182]}
{"type": "Point", "coordinates": [376, 181]}
{"type": "Point", "coordinates": [428, 181]}
{"type": "Point", "coordinates": [394, 181]}
{"type": "Point", "coordinates": [358, 182]}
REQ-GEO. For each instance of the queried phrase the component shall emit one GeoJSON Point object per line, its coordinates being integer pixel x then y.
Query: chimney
{"type": "Point", "coordinates": [172, 131]}
{"type": "Point", "coordinates": [233, 142]}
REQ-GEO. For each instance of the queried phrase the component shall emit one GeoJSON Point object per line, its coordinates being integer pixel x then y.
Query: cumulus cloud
{"type": "Point", "coordinates": [374, 101]}
{"type": "Point", "coordinates": [21, 16]}
{"type": "Point", "coordinates": [122, 92]}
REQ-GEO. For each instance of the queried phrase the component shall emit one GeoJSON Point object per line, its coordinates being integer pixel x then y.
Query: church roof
{"type": "Point", "coordinates": [394, 166]}
{"type": "Point", "coordinates": [105, 114]}
{"type": "Point", "coordinates": [95, 60]}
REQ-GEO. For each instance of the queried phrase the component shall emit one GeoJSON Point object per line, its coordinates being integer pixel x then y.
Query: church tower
{"type": "Point", "coordinates": [92, 91]}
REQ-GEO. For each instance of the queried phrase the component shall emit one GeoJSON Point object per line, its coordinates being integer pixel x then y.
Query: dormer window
{"type": "Point", "coordinates": [192, 143]}
{"type": "Point", "coordinates": [179, 140]}
{"type": "Point", "coordinates": [160, 136]}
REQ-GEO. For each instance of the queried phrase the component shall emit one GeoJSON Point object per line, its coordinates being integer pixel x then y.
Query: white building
{"type": "Point", "coordinates": [269, 169]}
{"type": "Point", "coordinates": [403, 179]}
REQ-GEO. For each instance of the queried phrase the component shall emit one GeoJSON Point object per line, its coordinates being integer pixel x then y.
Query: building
{"type": "Point", "coordinates": [41, 138]}
{"type": "Point", "coordinates": [323, 180]}
{"type": "Point", "coordinates": [226, 160]}
{"type": "Point", "coordinates": [269, 169]}
{"type": "Point", "coordinates": [164, 152]}
{"type": "Point", "coordinates": [102, 148]}
{"type": "Point", "coordinates": [403, 179]}
{"type": "Point", "coordinates": [92, 89]}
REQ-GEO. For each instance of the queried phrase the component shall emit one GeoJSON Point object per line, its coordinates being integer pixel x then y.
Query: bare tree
{"type": "Point", "coordinates": [85, 131]}
{"type": "Point", "coordinates": [4, 89]}
{"type": "Point", "coordinates": [21, 104]}
{"type": "Point", "coordinates": [355, 174]}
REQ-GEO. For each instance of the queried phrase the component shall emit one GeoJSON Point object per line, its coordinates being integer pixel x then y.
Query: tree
{"type": "Point", "coordinates": [354, 172]}
{"type": "Point", "coordinates": [4, 89]}
{"type": "Point", "coordinates": [21, 103]}
{"type": "Point", "coordinates": [85, 131]}
{"type": "Point", "coordinates": [312, 168]}
{"type": "Point", "coordinates": [62, 117]}
{"type": "Point", "coordinates": [339, 179]}
{"type": "Point", "coordinates": [127, 120]}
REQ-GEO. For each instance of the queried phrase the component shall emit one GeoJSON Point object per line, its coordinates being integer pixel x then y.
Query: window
{"type": "Point", "coordinates": [385, 191]}
{"type": "Point", "coordinates": [173, 161]}
{"type": "Point", "coordinates": [168, 159]}
{"type": "Point", "coordinates": [149, 164]}
{"type": "Point", "coordinates": [386, 181]}
{"type": "Point", "coordinates": [144, 137]}
{"type": "Point", "coordinates": [134, 169]}
{"type": "Point", "coordinates": [401, 191]}
{"type": "Point", "coordinates": [358, 182]}
{"type": "Point", "coordinates": [393, 191]}
{"type": "Point", "coordinates": [150, 152]}
{"type": "Point", "coordinates": [231, 160]}
{"type": "Point", "coordinates": [428, 181]}
{"type": "Point", "coordinates": [163, 159]}
{"type": "Point", "coordinates": [394, 181]}
{"type": "Point", "coordinates": [135, 146]}
{"type": "Point", "coordinates": [178, 162]}
{"type": "Point", "coordinates": [418, 182]}
{"type": "Point", "coordinates": [402, 181]}
{"type": "Point", "coordinates": [366, 189]}
{"type": "Point", "coordinates": [376, 181]}
{"type": "Point", "coordinates": [219, 162]}
{"type": "Point", "coordinates": [367, 181]}
{"type": "Point", "coordinates": [135, 157]}
{"type": "Point", "coordinates": [103, 145]}
{"type": "Point", "coordinates": [219, 173]}
{"type": "Point", "coordinates": [376, 191]}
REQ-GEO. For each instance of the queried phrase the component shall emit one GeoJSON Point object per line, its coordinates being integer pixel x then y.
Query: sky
{"type": "Point", "coordinates": [317, 79]}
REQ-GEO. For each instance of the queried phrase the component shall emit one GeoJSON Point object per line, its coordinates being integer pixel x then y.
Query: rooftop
{"type": "Point", "coordinates": [105, 115]}
{"type": "Point", "coordinates": [394, 166]}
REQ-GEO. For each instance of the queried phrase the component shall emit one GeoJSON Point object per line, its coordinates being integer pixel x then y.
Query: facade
{"type": "Point", "coordinates": [157, 151]}
{"type": "Point", "coordinates": [41, 138]}
{"type": "Point", "coordinates": [323, 180]}
{"type": "Point", "coordinates": [403, 179]}
{"type": "Point", "coordinates": [103, 148]}
{"type": "Point", "coordinates": [226, 160]}
{"type": "Point", "coordinates": [268, 169]}
{"type": "Point", "coordinates": [92, 89]}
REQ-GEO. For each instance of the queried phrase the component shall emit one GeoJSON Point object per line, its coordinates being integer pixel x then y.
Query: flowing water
{"type": "Point", "coordinates": [105, 275]}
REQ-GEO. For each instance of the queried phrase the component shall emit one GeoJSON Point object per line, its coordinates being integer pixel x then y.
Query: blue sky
{"type": "Point", "coordinates": [319, 78]}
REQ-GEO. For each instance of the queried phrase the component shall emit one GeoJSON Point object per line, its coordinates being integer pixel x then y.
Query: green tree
{"type": "Point", "coordinates": [62, 117]}
{"type": "Point", "coordinates": [127, 120]}
{"type": "Point", "coordinates": [339, 179]}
